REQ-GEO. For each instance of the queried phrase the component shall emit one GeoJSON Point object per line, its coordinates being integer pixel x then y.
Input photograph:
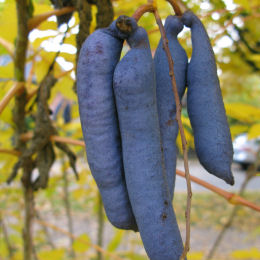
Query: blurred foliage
{"type": "Point", "coordinates": [235, 35]}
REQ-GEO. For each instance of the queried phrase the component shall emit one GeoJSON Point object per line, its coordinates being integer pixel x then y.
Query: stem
{"type": "Point", "coordinates": [100, 226]}
{"type": "Point", "coordinates": [35, 256]}
{"type": "Point", "coordinates": [19, 122]}
{"type": "Point", "coordinates": [45, 230]}
{"type": "Point", "coordinates": [15, 89]}
{"type": "Point", "coordinates": [64, 73]}
{"type": "Point", "coordinates": [230, 197]}
{"type": "Point", "coordinates": [8, 46]}
{"type": "Point", "coordinates": [68, 207]}
{"type": "Point", "coordinates": [38, 19]}
{"type": "Point", "coordinates": [6, 238]}
{"type": "Point", "coordinates": [9, 151]}
{"type": "Point", "coordinates": [183, 139]}
{"type": "Point", "coordinates": [105, 13]}
{"type": "Point", "coordinates": [27, 230]}
{"type": "Point", "coordinates": [175, 7]}
{"type": "Point", "coordinates": [85, 18]}
{"type": "Point", "coordinates": [55, 138]}
{"type": "Point", "coordinates": [142, 10]}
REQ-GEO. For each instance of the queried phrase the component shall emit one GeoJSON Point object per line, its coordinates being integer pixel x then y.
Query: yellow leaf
{"type": "Point", "coordinates": [17, 256]}
{"type": "Point", "coordinates": [6, 136]}
{"type": "Point", "coordinates": [243, 3]}
{"type": "Point", "coordinates": [65, 87]}
{"type": "Point", "coordinates": [75, 112]}
{"type": "Point", "coordinates": [254, 131]}
{"type": "Point", "coordinates": [48, 25]}
{"type": "Point", "coordinates": [55, 254]}
{"type": "Point", "coordinates": [79, 193]}
{"type": "Point", "coordinates": [81, 244]}
{"type": "Point", "coordinates": [8, 21]}
{"type": "Point", "coordinates": [185, 121]}
{"type": "Point", "coordinates": [195, 255]}
{"type": "Point", "coordinates": [94, 21]}
{"type": "Point", "coordinates": [71, 39]}
{"type": "Point", "coordinates": [189, 139]}
{"type": "Point", "coordinates": [243, 112]}
{"type": "Point", "coordinates": [255, 57]}
{"type": "Point", "coordinates": [68, 56]}
{"type": "Point", "coordinates": [7, 71]}
{"type": "Point", "coordinates": [72, 126]}
{"type": "Point", "coordinates": [252, 253]}
{"type": "Point", "coordinates": [3, 250]}
{"type": "Point", "coordinates": [238, 129]}
{"type": "Point", "coordinates": [37, 42]}
{"type": "Point", "coordinates": [40, 8]}
{"type": "Point", "coordinates": [43, 64]}
{"type": "Point", "coordinates": [41, 69]}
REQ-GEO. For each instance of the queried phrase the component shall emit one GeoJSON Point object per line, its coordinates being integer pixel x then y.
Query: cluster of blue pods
{"type": "Point", "coordinates": [128, 117]}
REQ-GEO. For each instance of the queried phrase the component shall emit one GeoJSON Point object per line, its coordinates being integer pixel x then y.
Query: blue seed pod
{"type": "Point", "coordinates": [205, 105]}
{"type": "Point", "coordinates": [135, 92]}
{"type": "Point", "coordinates": [97, 60]}
{"type": "Point", "coordinates": [165, 97]}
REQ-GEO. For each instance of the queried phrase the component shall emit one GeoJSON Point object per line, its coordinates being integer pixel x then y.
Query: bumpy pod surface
{"type": "Point", "coordinates": [206, 110]}
{"type": "Point", "coordinates": [165, 96]}
{"type": "Point", "coordinates": [97, 60]}
{"type": "Point", "coordinates": [135, 92]}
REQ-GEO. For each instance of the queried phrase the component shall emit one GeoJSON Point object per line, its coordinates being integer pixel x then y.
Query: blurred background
{"type": "Point", "coordinates": [62, 217]}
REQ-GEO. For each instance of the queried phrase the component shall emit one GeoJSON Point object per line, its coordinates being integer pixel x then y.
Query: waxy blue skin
{"type": "Point", "coordinates": [206, 110]}
{"type": "Point", "coordinates": [135, 92]}
{"type": "Point", "coordinates": [98, 57]}
{"type": "Point", "coordinates": [165, 96]}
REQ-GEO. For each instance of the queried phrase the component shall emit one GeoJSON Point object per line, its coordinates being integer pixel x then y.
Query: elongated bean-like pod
{"type": "Point", "coordinates": [97, 60]}
{"type": "Point", "coordinates": [135, 92]}
{"type": "Point", "coordinates": [165, 96]}
{"type": "Point", "coordinates": [205, 105]}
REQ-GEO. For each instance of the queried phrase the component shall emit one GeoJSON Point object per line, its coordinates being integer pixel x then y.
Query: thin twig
{"type": "Point", "coordinates": [175, 7]}
{"type": "Point", "coordinates": [230, 197]}
{"type": "Point", "coordinates": [8, 46]}
{"type": "Point", "coordinates": [183, 139]}
{"type": "Point", "coordinates": [64, 232]}
{"type": "Point", "coordinates": [64, 73]}
{"type": "Point", "coordinates": [100, 232]}
{"type": "Point", "coordinates": [45, 230]}
{"type": "Point", "coordinates": [181, 5]}
{"type": "Point", "coordinates": [9, 245]}
{"type": "Point", "coordinates": [66, 199]}
{"type": "Point", "coordinates": [31, 73]}
{"type": "Point", "coordinates": [16, 88]}
{"type": "Point", "coordinates": [10, 151]}
{"type": "Point", "coordinates": [142, 10]}
{"type": "Point", "coordinates": [55, 138]}
{"type": "Point", "coordinates": [38, 19]}
{"type": "Point", "coordinates": [67, 140]}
